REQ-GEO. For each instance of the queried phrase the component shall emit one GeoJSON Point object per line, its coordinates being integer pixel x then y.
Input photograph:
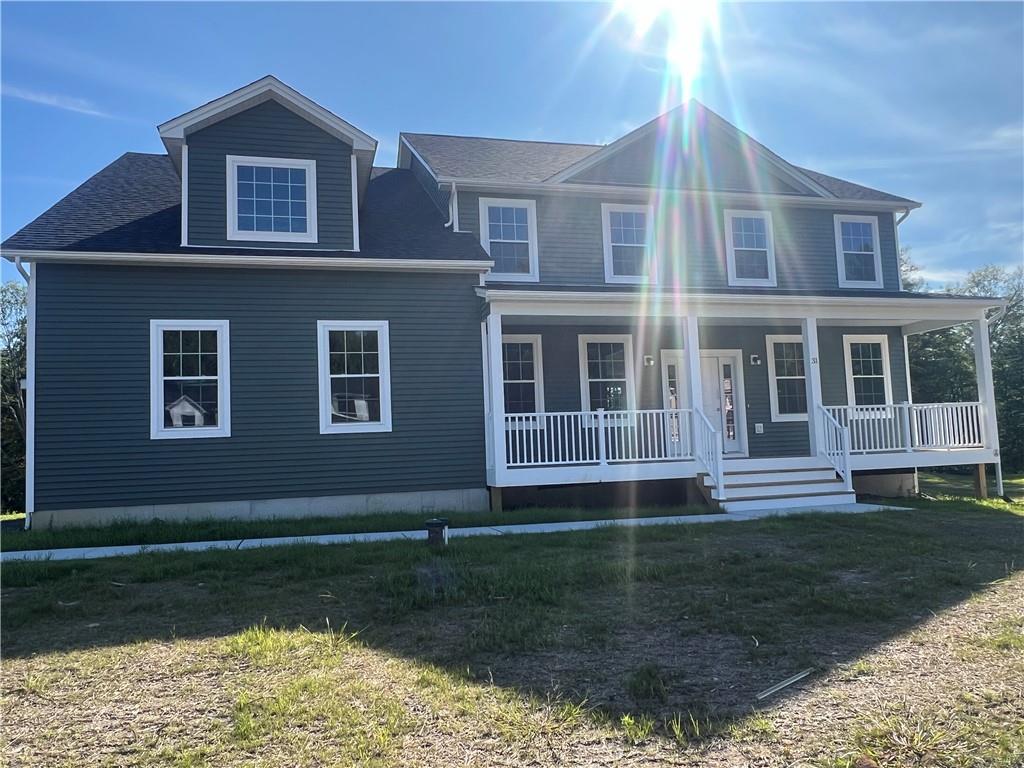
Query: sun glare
{"type": "Point", "coordinates": [676, 30]}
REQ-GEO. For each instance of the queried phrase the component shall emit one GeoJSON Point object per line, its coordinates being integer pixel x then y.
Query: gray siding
{"type": "Point", "coordinates": [571, 251]}
{"type": "Point", "coordinates": [560, 347]}
{"type": "Point", "coordinates": [267, 130]}
{"type": "Point", "coordinates": [93, 446]}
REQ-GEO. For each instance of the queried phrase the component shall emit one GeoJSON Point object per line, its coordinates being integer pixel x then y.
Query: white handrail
{"type": "Point", "coordinates": [708, 448]}
{"type": "Point", "coordinates": [836, 445]}
{"type": "Point", "coordinates": [911, 426]}
{"type": "Point", "coordinates": [565, 438]}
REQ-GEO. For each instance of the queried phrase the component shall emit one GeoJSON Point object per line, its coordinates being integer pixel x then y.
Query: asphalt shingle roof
{"type": "Point", "coordinates": [473, 157]}
{"type": "Point", "coordinates": [847, 190]}
{"type": "Point", "coordinates": [134, 206]}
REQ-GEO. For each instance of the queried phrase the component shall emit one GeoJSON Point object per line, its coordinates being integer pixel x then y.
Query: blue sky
{"type": "Point", "coordinates": [919, 99]}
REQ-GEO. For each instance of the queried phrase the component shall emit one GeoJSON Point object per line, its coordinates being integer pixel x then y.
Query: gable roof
{"type": "Point", "coordinates": [268, 87]}
{"type": "Point", "coordinates": [474, 157]}
{"type": "Point", "coordinates": [134, 206]}
{"type": "Point", "coordinates": [463, 158]}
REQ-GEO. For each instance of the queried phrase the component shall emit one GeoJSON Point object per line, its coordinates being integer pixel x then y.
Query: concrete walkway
{"type": "Point", "coordinates": [92, 553]}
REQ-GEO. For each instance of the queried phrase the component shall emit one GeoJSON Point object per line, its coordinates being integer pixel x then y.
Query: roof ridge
{"type": "Point", "coordinates": [499, 138]}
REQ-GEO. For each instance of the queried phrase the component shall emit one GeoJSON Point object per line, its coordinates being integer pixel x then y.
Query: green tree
{"type": "Point", "coordinates": [13, 422]}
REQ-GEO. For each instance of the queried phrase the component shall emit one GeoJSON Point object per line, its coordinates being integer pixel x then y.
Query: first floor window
{"type": "Point", "coordinates": [867, 370]}
{"type": "Point", "coordinates": [522, 373]}
{"type": "Point", "coordinates": [857, 248]}
{"type": "Point", "coordinates": [628, 250]}
{"type": "Point", "coordinates": [787, 378]}
{"type": "Point", "coordinates": [606, 372]}
{"type": "Point", "coordinates": [750, 250]}
{"type": "Point", "coordinates": [508, 234]}
{"type": "Point", "coordinates": [355, 376]}
{"type": "Point", "coordinates": [189, 382]}
{"type": "Point", "coordinates": [271, 199]}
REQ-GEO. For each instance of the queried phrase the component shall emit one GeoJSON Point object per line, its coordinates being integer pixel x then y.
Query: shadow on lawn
{"type": "Point", "coordinates": [658, 620]}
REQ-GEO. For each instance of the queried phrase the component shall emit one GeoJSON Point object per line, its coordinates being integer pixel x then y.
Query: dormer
{"type": "Point", "coordinates": [266, 167]}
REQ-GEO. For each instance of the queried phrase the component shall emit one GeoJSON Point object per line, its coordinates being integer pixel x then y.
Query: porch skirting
{"type": "Point", "coordinates": [426, 502]}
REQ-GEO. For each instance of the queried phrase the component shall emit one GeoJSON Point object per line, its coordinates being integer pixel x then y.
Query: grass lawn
{"type": "Point", "coordinates": [160, 532]}
{"type": "Point", "coordinates": [611, 647]}
{"type": "Point", "coordinates": [955, 484]}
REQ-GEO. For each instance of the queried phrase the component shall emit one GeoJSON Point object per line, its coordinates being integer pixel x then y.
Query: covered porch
{"type": "Point", "coordinates": [586, 387]}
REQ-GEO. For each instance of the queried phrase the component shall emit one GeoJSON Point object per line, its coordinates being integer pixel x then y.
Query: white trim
{"type": "Point", "coordinates": [899, 256]}
{"type": "Point", "coordinates": [739, 398]}
{"type": "Point", "coordinates": [157, 430]}
{"type": "Point", "coordinates": [650, 254]}
{"type": "Point", "coordinates": [184, 194]}
{"type": "Point", "coordinates": [626, 340]}
{"type": "Point", "coordinates": [323, 329]}
{"type": "Point", "coordinates": [531, 222]}
{"type": "Point", "coordinates": [838, 220]}
{"type": "Point", "coordinates": [177, 127]}
{"type": "Point", "coordinates": [30, 398]}
{"type": "Point", "coordinates": [773, 385]}
{"type": "Point", "coordinates": [251, 260]}
{"type": "Point", "coordinates": [873, 338]}
{"type": "Point", "coordinates": [355, 203]}
{"type": "Point", "coordinates": [309, 166]}
{"type": "Point", "coordinates": [730, 249]}
{"type": "Point", "coordinates": [534, 339]}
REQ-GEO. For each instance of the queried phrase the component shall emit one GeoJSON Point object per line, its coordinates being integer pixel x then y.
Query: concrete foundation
{"type": "Point", "coordinates": [427, 502]}
{"type": "Point", "coordinates": [890, 485]}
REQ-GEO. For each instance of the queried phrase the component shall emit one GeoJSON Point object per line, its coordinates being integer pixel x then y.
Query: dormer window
{"type": "Point", "coordinates": [271, 199]}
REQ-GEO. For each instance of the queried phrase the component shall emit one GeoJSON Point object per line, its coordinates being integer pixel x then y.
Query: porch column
{"type": "Point", "coordinates": [812, 373]}
{"type": "Point", "coordinates": [986, 389]}
{"type": "Point", "coordinates": [496, 382]}
{"type": "Point", "coordinates": [692, 345]}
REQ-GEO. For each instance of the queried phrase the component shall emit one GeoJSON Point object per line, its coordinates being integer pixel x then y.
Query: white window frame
{"type": "Point", "coordinates": [838, 219]}
{"type": "Point", "coordinates": [157, 430]}
{"type": "Point", "coordinates": [609, 264]}
{"type": "Point", "coordinates": [875, 338]}
{"type": "Point", "coordinates": [323, 329]}
{"type": "Point", "coordinates": [770, 341]}
{"type": "Point", "coordinates": [730, 249]}
{"type": "Point", "coordinates": [533, 339]}
{"type": "Point", "coordinates": [309, 166]}
{"type": "Point", "coordinates": [595, 338]}
{"type": "Point", "coordinates": [531, 222]}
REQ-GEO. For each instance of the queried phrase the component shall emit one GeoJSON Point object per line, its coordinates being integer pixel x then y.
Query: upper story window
{"type": "Point", "coordinates": [628, 245]}
{"type": "Point", "coordinates": [189, 389]}
{"type": "Point", "coordinates": [857, 252]}
{"type": "Point", "coordinates": [508, 232]}
{"type": "Point", "coordinates": [355, 376]}
{"type": "Point", "coordinates": [750, 248]}
{"type": "Point", "coordinates": [271, 199]}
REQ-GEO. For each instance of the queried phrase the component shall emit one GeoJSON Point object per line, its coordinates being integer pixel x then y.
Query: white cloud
{"type": "Point", "coordinates": [55, 100]}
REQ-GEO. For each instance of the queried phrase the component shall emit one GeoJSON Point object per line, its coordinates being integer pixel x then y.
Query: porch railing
{"type": "Point", "coordinates": [597, 437]}
{"type": "Point", "coordinates": [708, 447]}
{"type": "Point", "coordinates": [836, 446]}
{"type": "Point", "coordinates": [910, 426]}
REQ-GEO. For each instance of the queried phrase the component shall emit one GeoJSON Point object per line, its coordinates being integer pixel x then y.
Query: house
{"type": "Point", "coordinates": [680, 306]}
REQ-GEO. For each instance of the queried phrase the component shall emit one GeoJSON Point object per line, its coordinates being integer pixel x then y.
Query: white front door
{"type": "Point", "coordinates": [721, 377]}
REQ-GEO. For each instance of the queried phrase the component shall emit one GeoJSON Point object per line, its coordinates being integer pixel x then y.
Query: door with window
{"type": "Point", "coordinates": [722, 397]}
{"type": "Point", "coordinates": [674, 396]}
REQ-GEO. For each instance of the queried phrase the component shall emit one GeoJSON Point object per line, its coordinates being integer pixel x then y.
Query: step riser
{"type": "Point", "coordinates": [797, 476]}
{"type": "Point", "coordinates": [806, 502]}
{"type": "Point", "coordinates": [769, 491]}
{"type": "Point", "coordinates": [769, 465]}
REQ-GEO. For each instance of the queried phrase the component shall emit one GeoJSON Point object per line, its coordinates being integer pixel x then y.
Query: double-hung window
{"type": "Point", "coordinates": [355, 376]}
{"type": "Point", "coordinates": [522, 372]}
{"type": "Point", "coordinates": [750, 248]}
{"type": "Point", "coordinates": [189, 390]}
{"type": "Point", "coordinates": [858, 254]}
{"type": "Point", "coordinates": [271, 199]}
{"type": "Point", "coordinates": [508, 232]}
{"type": "Point", "coordinates": [606, 372]}
{"type": "Point", "coordinates": [787, 378]}
{"type": "Point", "coordinates": [868, 381]}
{"type": "Point", "coordinates": [628, 244]}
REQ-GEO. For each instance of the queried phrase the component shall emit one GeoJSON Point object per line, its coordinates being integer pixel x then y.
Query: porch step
{"type": "Point", "coordinates": [775, 490]}
{"type": "Point", "coordinates": [801, 482]}
{"type": "Point", "coordinates": [790, 502]}
{"type": "Point", "coordinates": [782, 463]}
{"type": "Point", "coordinates": [754, 477]}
